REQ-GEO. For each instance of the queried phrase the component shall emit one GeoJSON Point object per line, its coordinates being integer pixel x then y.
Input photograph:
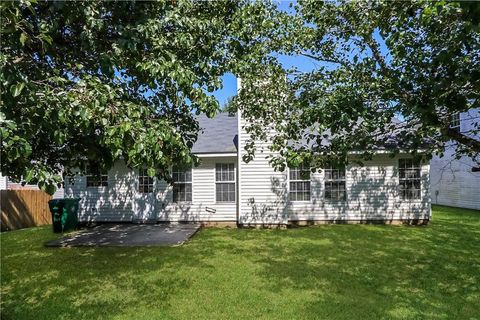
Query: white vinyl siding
{"type": "Point", "coordinates": [113, 202]}
{"type": "Point", "coordinates": [372, 194]}
{"type": "Point", "coordinates": [263, 191]}
{"type": "Point", "coordinates": [3, 182]}
{"type": "Point", "coordinates": [116, 202]}
{"type": "Point", "coordinates": [371, 191]}
{"type": "Point", "coordinates": [204, 206]}
{"type": "Point", "coordinates": [453, 183]}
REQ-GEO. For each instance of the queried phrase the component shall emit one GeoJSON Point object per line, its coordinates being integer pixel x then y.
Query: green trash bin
{"type": "Point", "coordinates": [64, 214]}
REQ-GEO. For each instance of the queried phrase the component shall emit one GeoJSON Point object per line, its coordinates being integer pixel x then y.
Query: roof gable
{"type": "Point", "coordinates": [217, 135]}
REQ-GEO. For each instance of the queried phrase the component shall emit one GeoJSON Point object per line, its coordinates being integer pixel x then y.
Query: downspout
{"type": "Point", "coordinates": [239, 157]}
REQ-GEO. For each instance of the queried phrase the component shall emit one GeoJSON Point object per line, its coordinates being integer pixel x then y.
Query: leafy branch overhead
{"type": "Point", "coordinates": [418, 62]}
{"type": "Point", "coordinates": [85, 85]}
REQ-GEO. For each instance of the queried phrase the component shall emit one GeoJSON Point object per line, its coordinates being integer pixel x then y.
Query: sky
{"type": "Point", "coordinates": [230, 81]}
{"type": "Point", "coordinates": [301, 63]}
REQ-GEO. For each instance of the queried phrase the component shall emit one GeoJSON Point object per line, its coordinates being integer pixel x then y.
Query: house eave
{"type": "Point", "coordinates": [387, 151]}
{"type": "Point", "coordinates": [216, 154]}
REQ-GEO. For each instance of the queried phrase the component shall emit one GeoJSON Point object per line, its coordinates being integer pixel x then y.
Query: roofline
{"type": "Point", "coordinates": [215, 154]}
{"type": "Point", "coordinates": [234, 154]}
{"type": "Point", "coordinates": [387, 151]}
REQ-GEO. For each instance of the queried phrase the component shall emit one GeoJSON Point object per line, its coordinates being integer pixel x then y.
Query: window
{"type": "Point", "coordinates": [97, 180]}
{"type": "Point", "coordinates": [182, 185]}
{"type": "Point", "coordinates": [299, 183]}
{"type": "Point", "coordinates": [455, 121]}
{"type": "Point", "coordinates": [335, 186]}
{"type": "Point", "coordinates": [145, 183]}
{"type": "Point", "coordinates": [225, 182]}
{"type": "Point", "coordinates": [409, 174]}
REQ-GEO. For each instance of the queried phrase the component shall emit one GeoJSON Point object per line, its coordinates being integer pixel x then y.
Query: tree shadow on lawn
{"type": "Point", "coordinates": [90, 283]}
{"type": "Point", "coordinates": [380, 271]}
{"type": "Point", "coordinates": [332, 271]}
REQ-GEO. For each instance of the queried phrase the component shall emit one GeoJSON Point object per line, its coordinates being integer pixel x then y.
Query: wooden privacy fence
{"type": "Point", "coordinates": [24, 209]}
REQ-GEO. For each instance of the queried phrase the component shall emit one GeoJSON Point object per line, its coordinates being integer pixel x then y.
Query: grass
{"type": "Point", "coordinates": [321, 272]}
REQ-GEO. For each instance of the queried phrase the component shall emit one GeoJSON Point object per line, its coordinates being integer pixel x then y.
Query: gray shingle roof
{"type": "Point", "coordinates": [389, 140]}
{"type": "Point", "coordinates": [217, 135]}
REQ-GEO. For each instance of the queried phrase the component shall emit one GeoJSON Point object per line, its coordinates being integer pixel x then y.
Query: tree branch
{"type": "Point", "coordinates": [463, 139]}
{"type": "Point", "coordinates": [377, 55]}
{"type": "Point", "coordinates": [322, 59]}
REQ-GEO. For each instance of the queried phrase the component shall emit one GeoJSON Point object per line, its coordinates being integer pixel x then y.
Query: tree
{"type": "Point", "coordinates": [416, 61]}
{"type": "Point", "coordinates": [85, 85]}
{"type": "Point", "coordinates": [229, 106]}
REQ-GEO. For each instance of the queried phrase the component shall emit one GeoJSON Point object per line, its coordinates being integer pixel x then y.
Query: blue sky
{"type": "Point", "coordinates": [301, 63]}
{"type": "Point", "coordinates": [230, 81]}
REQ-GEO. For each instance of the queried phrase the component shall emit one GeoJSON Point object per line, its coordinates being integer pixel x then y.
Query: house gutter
{"type": "Point", "coordinates": [239, 156]}
{"type": "Point", "coordinates": [216, 155]}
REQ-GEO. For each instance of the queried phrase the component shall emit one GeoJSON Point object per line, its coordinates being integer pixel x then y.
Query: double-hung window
{"type": "Point", "coordinates": [455, 121]}
{"type": "Point", "coordinates": [335, 186]}
{"type": "Point", "coordinates": [182, 184]}
{"type": "Point", "coordinates": [299, 187]}
{"type": "Point", "coordinates": [225, 182]}
{"type": "Point", "coordinates": [97, 180]}
{"type": "Point", "coordinates": [409, 179]}
{"type": "Point", "coordinates": [145, 182]}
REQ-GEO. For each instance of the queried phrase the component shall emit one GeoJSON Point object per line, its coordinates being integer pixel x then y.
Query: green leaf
{"type": "Point", "coordinates": [49, 188]}
{"type": "Point", "coordinates": [46, 38]}
{"type": "Point", "coordinates": [16, 89]}
{"type": "Point", "coordinates": [151, 172]}
{"type": "Point", "coordinates": [29, 176]}
{"type": "Point", "coordinates": [23, 38]}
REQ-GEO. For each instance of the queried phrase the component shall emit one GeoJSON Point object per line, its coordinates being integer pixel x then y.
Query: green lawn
{"type": "Point", "coordinates": [329, 272]}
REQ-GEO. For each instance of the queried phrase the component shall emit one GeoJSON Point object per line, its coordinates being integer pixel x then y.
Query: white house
{"type": "Point", "coordinates": [456, 182]}
{"type": "Point", "coordinates": [7, 184]}
{"type": "Point", "coordinates": [224, 189]}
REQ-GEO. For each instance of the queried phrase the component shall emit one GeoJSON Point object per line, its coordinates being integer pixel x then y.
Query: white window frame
{"type": "Point", "coordinates": [455, 121]}
{"type": "Point", "coordinates": [184, 182]}
{"type": "Point", "coordinates": [144, 180]}
{"type": "Point", "coordinates": [97, 183]}
{"type": "Point", "coordinates": [225, 182]}
{"type": "Point", "coordinates": [338, 181]}
{"type": "Point", "coordinates": [298, 181]}
{"type": "Point", "coordinates": [416, 165]}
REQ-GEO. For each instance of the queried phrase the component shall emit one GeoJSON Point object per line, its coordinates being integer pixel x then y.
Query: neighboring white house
{"type": "Point", "coordinates": [456, 182]}
{"type": "Point", "coordinates": [7, 184]}
{"type": "Point", "coordinates": [224, 189]}
{"type": "Point", "coordinates": [3, 182]}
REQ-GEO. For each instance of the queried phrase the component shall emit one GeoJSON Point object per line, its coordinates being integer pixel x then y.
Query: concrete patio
{"type": "Point", "coordinates": [128, 235]}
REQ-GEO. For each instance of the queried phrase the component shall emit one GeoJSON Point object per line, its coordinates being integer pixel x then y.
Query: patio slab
{"type": "Point", "coordinates": [128, 235]}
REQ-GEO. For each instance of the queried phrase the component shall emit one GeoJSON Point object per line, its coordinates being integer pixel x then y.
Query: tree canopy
{"type": "Point", "coordinates": [85, 85]}
{"type": "Point", "coordinates": [229, 106]}
{"type": "Point", "coordinates": [418, 62]}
